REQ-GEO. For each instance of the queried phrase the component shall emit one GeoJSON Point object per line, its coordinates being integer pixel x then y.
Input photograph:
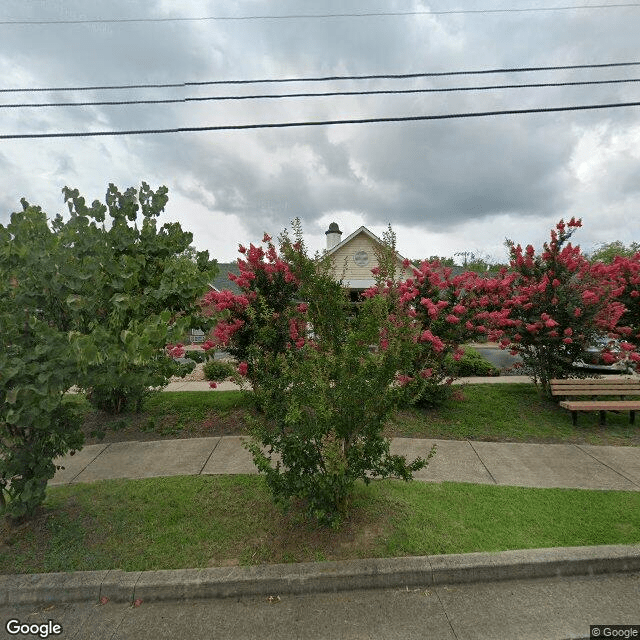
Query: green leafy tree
{"type": "Point", "coordinates": [445, 262]}
{"type": "Point", "coordinates": [39, 361]}
{"type": "Point", "coordinates": [134, 288]}
{"type": "Point", "coordinates": [471, 261]}
{"type": "Point", "coordinates": [478, 262]}
{"type": "Point", "coordinates": [80, 304]}
{"type": "Point", "coordinates": [609, 251]}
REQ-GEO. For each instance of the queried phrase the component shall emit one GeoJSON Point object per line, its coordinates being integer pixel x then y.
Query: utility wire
{"type": "Point", "coordinates": [315, 16]}
{"type": "Point", "coordinates": [282, 125]}
{"type": "Point", "coordinates": [315, 95]}
{"type": "Point", "coordinates": [401, 76]}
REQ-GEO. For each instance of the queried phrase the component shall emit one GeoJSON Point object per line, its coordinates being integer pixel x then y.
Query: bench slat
{"type": "Point", "coordinates": [598, 405]}
{"type": "Point", "coordinates": [577, 387]}
{"type": "Point", "coordinates": [603, 385]}
{"type": "Point", "coordinates": [595, 386]}
{"type": "Point", "coordinates": [609, 380]}
{"type": "Point", "coordinates": [598, 392]}
{"type": "Point", "coordinates": [572, 381]}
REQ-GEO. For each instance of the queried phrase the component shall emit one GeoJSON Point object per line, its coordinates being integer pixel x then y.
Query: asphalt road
{"type": "Point", "coordinates": [500, 358]}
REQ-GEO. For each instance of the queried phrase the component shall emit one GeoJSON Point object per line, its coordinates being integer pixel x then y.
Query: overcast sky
{"type": "Point", "coordinates": [446, 186]}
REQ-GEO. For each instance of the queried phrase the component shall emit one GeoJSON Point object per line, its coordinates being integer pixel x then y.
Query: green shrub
{"type": "Point", "coordinates": [324, 393]}
{"type": "Point", "coordinates": [432, 396]}
{"type": "Point", "coordinates": [215, 370]}
{"type": "Point", "coordinates": [196, 356]}
{"type": "Point", "coordinates": [471, 363]}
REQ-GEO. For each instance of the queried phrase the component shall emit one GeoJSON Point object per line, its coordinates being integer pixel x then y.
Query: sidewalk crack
{"type": "Point", "coordinates": [89, 463]}
{"type": "Point", "coordinates": [446, 615]}
{"type": "Point", "coordinates": [482, 462]}
{"type": "Point", "coordinates": [604, 464]}
{"type": "Point", "coordinates": [209, 456]}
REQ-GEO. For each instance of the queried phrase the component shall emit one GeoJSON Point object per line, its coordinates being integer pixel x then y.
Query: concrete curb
{"type": "Point", "coordinates": [316, 577]}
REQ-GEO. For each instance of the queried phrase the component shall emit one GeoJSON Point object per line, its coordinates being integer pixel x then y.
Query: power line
{"type": "Point", "coordinates": [281, 125]}
{"type": "Point", "coordinates": [316, 16]}
{"type": "Point", "coordinates": [315, 95]}
{"type": "Point", "coordinates": [397, 76]}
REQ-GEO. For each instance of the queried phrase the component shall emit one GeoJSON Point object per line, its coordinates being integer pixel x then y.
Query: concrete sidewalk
{"type": "Point", "coordinates": [531, 593]}
{"type": "Point", "coordinates": [515, 464]}
{"type": "Point", "coordinates": [534, 593]}
{"type": "Point", "coordinates": [539, 594]}
{"type": "Point", "coordinates": [554, 608]}
{"type": "Point", "coordinates": [203, 385]}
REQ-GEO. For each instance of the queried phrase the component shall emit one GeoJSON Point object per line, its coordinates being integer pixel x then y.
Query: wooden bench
{"type": "Point", "coordinates": [620, 387]}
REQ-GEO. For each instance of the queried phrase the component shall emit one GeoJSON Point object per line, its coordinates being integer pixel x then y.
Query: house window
{"type": "Point", "coordinates": [361, 258]}
{"type": "Point", "coordinates": [196, 335]}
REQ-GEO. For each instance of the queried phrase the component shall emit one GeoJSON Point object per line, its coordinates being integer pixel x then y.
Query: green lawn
{"type": "Point", "coordinates": [169, 523]}
{"type": "Point", "coordinates": [510, 413]}
{"type": "Point", "coordinates": [169, 415]}
{"type": "Point", "coordinates": [501, 412]}
{"type": "Point", "coordinates": [181, 522]}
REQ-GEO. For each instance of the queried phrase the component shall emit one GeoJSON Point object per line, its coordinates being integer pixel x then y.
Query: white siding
{"type": "Point", "coordinates": [345, 267]}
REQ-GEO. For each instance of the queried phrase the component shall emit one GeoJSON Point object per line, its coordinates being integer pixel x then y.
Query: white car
{"type": "Point", "coordinates": [592, 357]}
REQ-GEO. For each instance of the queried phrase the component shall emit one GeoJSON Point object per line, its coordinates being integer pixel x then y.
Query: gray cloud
{"type": "Point", "coordinates": [433, 177]}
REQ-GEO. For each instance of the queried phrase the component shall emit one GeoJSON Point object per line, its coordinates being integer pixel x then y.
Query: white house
{"type": "Point", "coordinates": [355, 256]}
{"type": "Point", "coordinates": [352, 260]}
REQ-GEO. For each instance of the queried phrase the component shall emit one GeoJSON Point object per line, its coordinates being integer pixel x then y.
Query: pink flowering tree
{"type": "Point", "coordinates": [266, 317]}
{"type": "Point", "coordinates": [445, 312]}
{"type": "Point", "coordinates": [627, 274]}
{"type": "Point", "coordinates": [321, 375]}
{"type": "Point", "coordinates": [555, 305]}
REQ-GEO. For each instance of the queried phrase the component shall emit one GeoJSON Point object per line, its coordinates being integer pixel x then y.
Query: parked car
{"type": "Point", "coordinates": [592, 357]}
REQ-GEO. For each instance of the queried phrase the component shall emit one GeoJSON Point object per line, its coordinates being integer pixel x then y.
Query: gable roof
{"type": "Point", "coordinates": [372, 236]}
{"type": "Point", "coordinates": [221, 281]}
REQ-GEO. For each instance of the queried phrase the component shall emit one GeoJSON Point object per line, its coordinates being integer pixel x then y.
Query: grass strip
{"type": "Point", "coordinates": [200, 521]}
{"type": "Point", "coordinates": [170, 414]}
{"type": "Point", "coordinates": [510, 413]}
{"type": "Point", "coordinates": [498, 412]}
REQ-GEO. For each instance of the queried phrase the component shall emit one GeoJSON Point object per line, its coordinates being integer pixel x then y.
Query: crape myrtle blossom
{"type": "Point", "coordinates": [267, 311]}
{"type": "Point", "coordinates": [430, 309]}
{"type": "Point", "coordinates": [556, 305]}
{"type": "Point", "coordinates": [626, 272]}
{"type": "Point", "coordinates": [547, 307]}
{"type": "Point", "coordinates": [443, 312]}
{"type": "Point", "coordinates": [175, 351]}
{"type": "Point", "coordinates": [325, 394]}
